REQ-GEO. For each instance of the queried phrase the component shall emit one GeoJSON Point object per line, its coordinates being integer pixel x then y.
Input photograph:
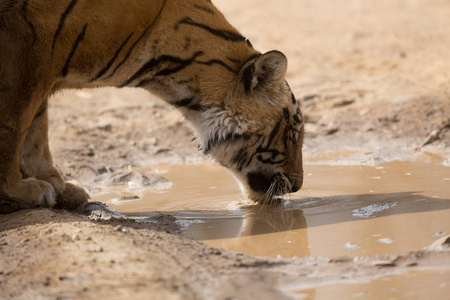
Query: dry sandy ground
{"type": "Point", "coordinates": [58, 255]}
{"type": "Point", "coordinates": [373, 76]}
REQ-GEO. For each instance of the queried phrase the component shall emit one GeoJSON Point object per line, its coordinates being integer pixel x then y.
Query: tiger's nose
{"type": "Point", "coordinates": [296, 186]}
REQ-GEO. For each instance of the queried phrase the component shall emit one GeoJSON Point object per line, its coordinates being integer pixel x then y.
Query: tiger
{"type": "Point", "coordinates": [235, 98]}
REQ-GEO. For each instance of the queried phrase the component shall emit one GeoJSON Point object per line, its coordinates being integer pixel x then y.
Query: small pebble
{"type": "Point", "coordinates": [439, 233]}
{"type": "Point", "coordinates": [351, 246]}
{"type": "Point", "coordinates": [386, 241]}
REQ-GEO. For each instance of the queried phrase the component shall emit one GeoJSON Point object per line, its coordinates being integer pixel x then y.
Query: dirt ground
{"type": "Point", "coordinates": [373, 77]}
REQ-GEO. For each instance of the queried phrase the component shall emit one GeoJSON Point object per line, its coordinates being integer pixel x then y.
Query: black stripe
{"type": "Point", "coordinates": [154, 62]}
{"type": "Point", "coordinates": [62, 21]}
{"type": "Point", "coordinates": [251, 57]}
{"type": "Point", "coordinates": [222, 33]}
{"type": "Point", "coordinates": [235, 61]}
{"type": "Point", "coordinates": [273, 134]}
{"type": "Point", "coordinates": [205, 9]}
{"type": "Point", "coordinates": [285, 138]}
{"type": "Point", "coordinates": [259, 149]}
{"type": "Point", "coordinates": [182, 64]}
{"type": "Point", "coordinates": [147, 67]}
{"type": "Point", "coordinates": [293, 100]}
{"type": "Point", "coordinates": [187, 103]}
{"type": "Point", "coordinates": [143, 82]}
{"type": "Point", "coordinates": [247, 78]}
{"type": "Point", "coordinates": [42, 109]}
{"type": "Point", "coordinates": [287, 84]}
{"type": "Point", "coordinates": [30, 25]}
{"type": "Point", "coordinates": [187, 45]}
{"type": "Point", "coordinates": [271, 160]}
{"type": "Point", "coordinates": [294, 138]}
{"type": "Point", "coordinates": [183, 102]}
{"type": "Point", "coordinates": [196, 107]}
{"type": "Point", "coordinates": [80, 38]}
{"type": "Point", "coordinates": [240, 158]}
{"type": "Point", "coordinates": [113, 59]}
{"type": "Point", "coordinates": [216, 140]}
{"type": "Point", "coordinates": [144, 33]}
{"type": "Point", "coordinates": [217, 62]}
{"type": "Point", "coordinates": [185, 81]}
{"type": "Point", "coordinates": [287, 115]}
{"type": "Point", "coordinates": [257, 141]}
{"type": "Point", "coordinates": [287, 129]}
{"type": "Point", "coordinates": [247, 74]}
{"type": "Point", "coordinates": [298, 117]}
{"type": "Point", "coordinates": [273, 152]}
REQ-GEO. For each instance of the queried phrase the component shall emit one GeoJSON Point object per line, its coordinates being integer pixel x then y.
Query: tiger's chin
{"type": "Point", "coordinates": [259, 198]}
{"type": "Point", "coordinates": [262, 191]}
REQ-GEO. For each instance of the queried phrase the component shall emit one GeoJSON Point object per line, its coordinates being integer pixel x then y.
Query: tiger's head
{"type": "Point", "coordinates": [257, 131]}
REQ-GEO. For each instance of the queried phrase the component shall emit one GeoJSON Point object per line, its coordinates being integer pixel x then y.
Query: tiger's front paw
{"type": "Point", "coordinates": [53, 177]}
{"type": "Point", "coordinates": [72, 196]}
{"type": "Point", "coordinates": [33, 192]}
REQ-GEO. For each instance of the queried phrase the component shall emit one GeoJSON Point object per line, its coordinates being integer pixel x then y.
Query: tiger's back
{"type": "Point", "coordinates": [106, 44]}
{"type": "Point", "coordinates": [236, 99]}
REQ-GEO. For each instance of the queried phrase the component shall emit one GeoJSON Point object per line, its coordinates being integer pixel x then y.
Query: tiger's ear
{"type": "Point", "coordinates": [265, 73]}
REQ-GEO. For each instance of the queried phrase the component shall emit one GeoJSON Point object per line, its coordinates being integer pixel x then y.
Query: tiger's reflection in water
{"type": "Point", "coordinates": [257, 230]}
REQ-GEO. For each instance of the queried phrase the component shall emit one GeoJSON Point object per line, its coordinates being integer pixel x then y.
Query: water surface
{"type": "Point", "coordinates": [393, 207]}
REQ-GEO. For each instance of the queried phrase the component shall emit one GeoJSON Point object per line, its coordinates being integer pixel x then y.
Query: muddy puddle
{"type": "Point", "coordinates": [393, 207]}
{"type": "Point", "coordinates": [431, 284]}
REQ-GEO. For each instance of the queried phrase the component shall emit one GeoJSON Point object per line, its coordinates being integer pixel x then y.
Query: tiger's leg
{"type": "Point", "coordinates": [35, 158]}
{"type": "Point", "coordinates": [36, 161]}
{"type": "Point", "coordinates": [17, 110]}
